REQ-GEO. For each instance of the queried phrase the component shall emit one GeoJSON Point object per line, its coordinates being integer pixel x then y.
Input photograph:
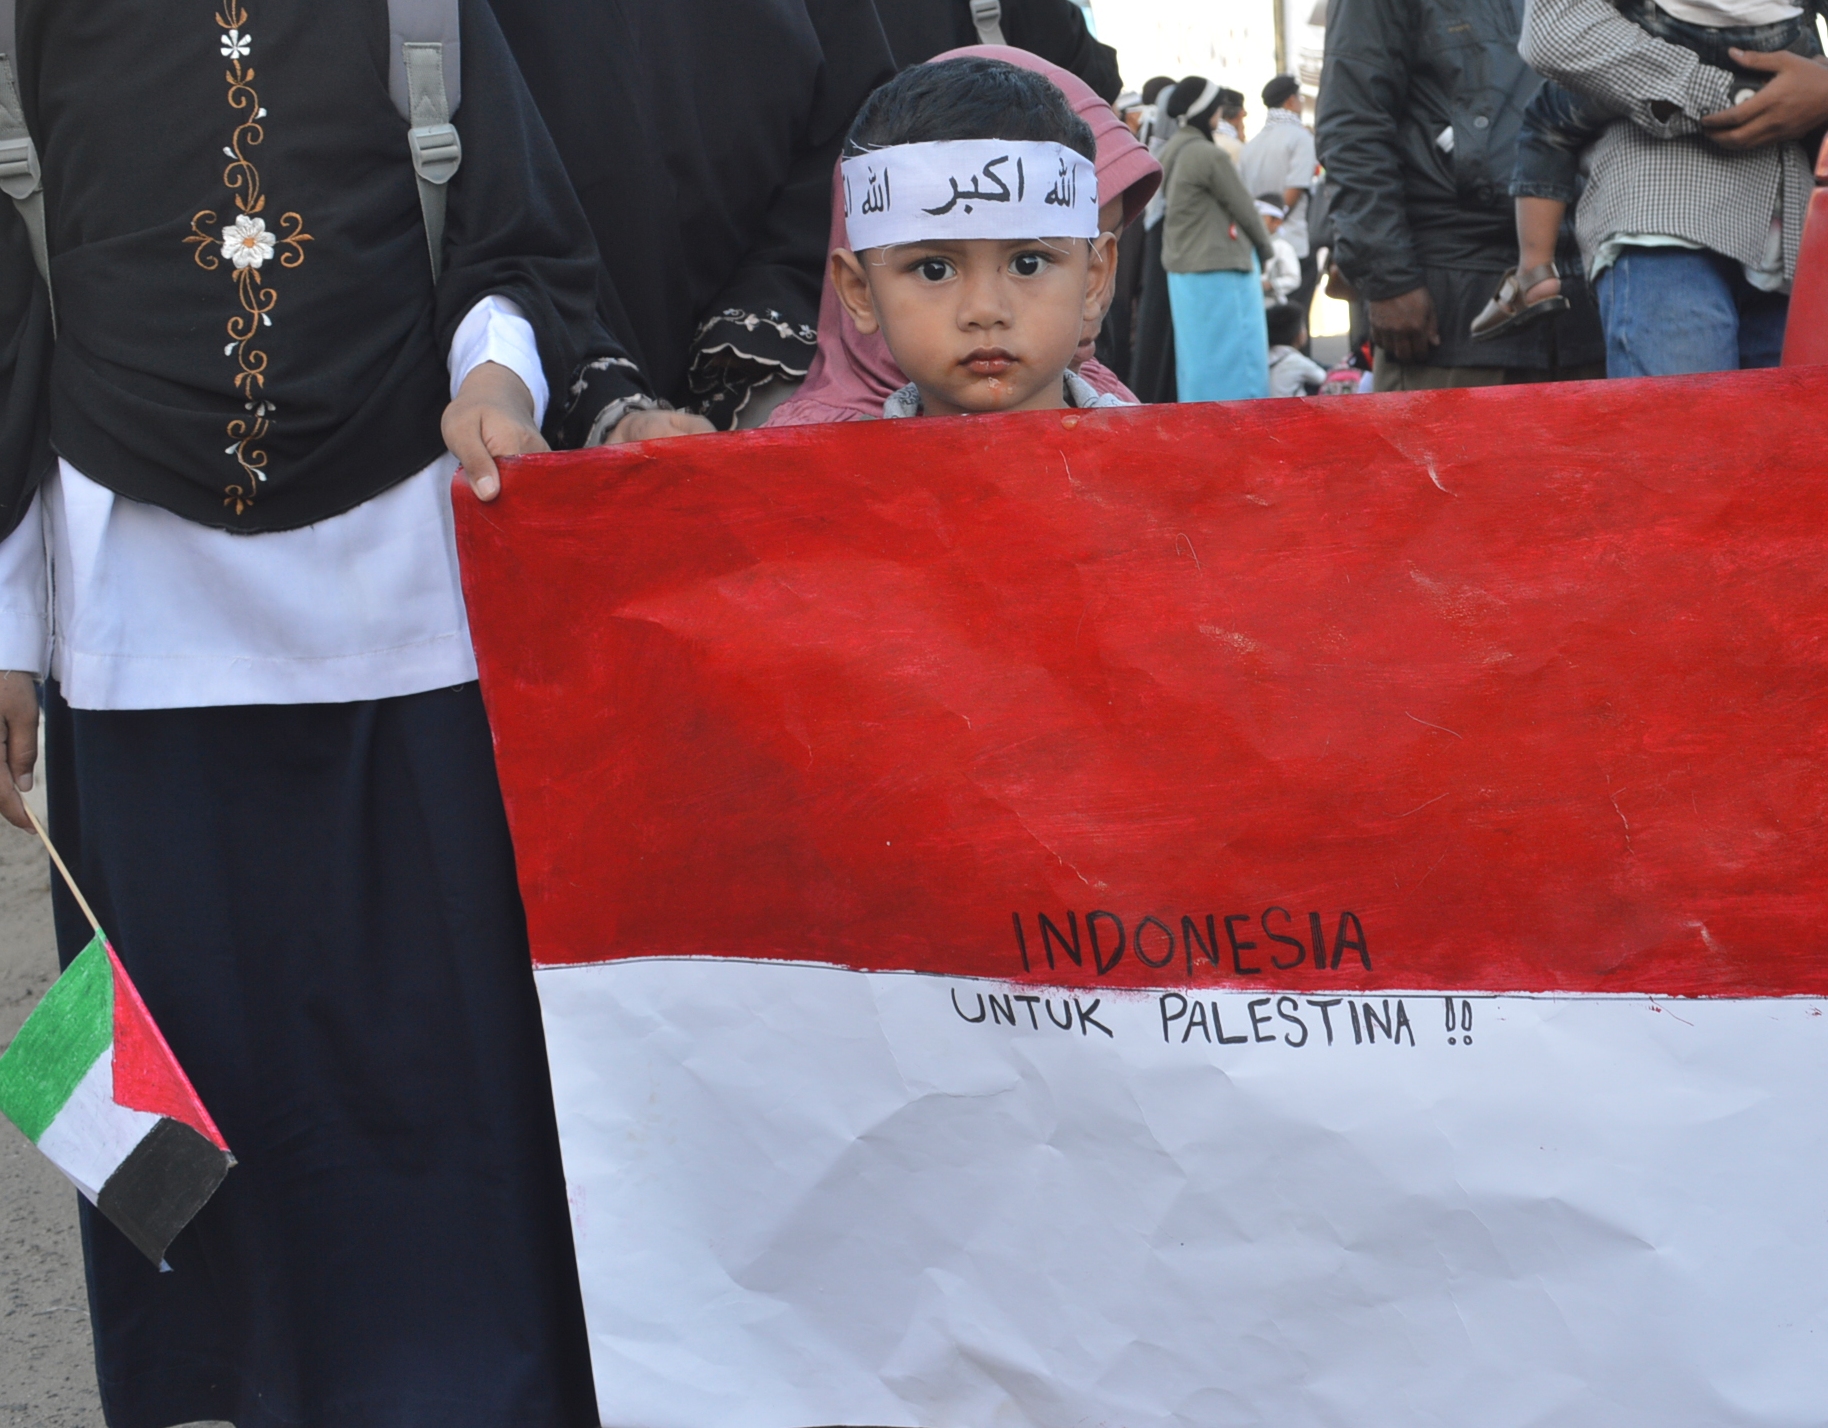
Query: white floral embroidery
{"type": "Point", "coordinates": [246, 242]}
{"type": "Point", "coordinates": [236, 45]}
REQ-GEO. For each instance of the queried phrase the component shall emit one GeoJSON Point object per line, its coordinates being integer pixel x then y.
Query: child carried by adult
{"type": "Point", "coordinates": [1560, 124]}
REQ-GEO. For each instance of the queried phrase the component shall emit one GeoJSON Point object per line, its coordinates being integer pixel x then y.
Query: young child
{"type": "Point", "coordinates": [972, 203]}
{"type": "Point", "coordinates": [1282, 273]}
{"type": "Point", "coordinates": [1291, 374]}
{"type": "Point", "coordinates": [1558, 124]}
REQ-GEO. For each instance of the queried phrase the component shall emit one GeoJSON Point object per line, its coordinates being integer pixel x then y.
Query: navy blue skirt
{"type": "Point", "coordinates": [318, 904]}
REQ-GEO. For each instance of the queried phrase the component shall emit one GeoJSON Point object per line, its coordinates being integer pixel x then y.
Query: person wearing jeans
{"type": "Point", "coordinates": [1668, 311]}
{"type": "Point", "coordinates": [1693, 209]}
{"type": "Point", "coordinates": [1560, 124]}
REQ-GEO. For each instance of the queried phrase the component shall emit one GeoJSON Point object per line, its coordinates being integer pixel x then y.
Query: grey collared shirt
{"type": "Point", "coordinates": [1281, 157]}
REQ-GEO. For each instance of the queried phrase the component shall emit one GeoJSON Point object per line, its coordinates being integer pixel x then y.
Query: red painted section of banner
{"type": "Point", "coordinates": [1527, 685]}
{"type": "Point", "coordinates": [147, 1076]}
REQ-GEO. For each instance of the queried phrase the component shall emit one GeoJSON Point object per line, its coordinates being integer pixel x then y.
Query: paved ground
{"type": "Point", "coordinates": [1330, 351]}
{"type": "Point", "coordinates": [47, 1372]}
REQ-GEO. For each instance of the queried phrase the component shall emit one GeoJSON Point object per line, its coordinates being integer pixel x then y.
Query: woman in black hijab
{"type": "Point", "coordinates": [700, 136]}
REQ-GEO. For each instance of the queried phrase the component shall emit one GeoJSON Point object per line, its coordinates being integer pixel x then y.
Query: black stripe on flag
{"type": "Point", "coordinates": [162, 1183]}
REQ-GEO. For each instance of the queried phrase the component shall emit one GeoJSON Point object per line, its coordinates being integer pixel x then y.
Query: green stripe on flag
{"type": "Point", "coordinates": [59, 1042]}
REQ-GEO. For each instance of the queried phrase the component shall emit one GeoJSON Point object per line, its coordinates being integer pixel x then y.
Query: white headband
{"type": "Point", "coordinates": [969, 188]}
{"type": "Point", "coordinates": [1207, 95]}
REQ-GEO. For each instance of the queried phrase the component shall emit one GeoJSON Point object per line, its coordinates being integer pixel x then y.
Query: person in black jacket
{"type": "Point", "coordinates": [1053, 29]}
{"type": "Point", "coordinates": [1420, 106]}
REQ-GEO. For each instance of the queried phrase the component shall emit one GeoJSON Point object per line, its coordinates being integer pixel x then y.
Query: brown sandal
{"type": "Point", "coordinates": [1508, 311]}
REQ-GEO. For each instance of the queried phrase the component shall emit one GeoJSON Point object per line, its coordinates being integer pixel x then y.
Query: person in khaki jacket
{"type": "Point", "coordinates": [1212, 247]}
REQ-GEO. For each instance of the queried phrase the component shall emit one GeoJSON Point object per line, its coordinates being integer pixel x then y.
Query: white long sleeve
{"type": "Point", "coordinates": [25, 625]}
{"type": "Point", "coordinates": [496, 330]}
{"type": "Point", "coordinates": [153, 611]}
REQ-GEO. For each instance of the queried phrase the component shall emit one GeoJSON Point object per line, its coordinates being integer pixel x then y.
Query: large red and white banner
{"type": "Point", "coordinates": [1289, 911]}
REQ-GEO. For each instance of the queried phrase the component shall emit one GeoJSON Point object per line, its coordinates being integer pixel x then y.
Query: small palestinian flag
{"type": "Point", "coordinates": [91, 1081]}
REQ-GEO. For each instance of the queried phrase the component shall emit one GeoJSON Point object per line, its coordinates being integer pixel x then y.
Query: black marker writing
{"type": "Point", "coordinates": [999, 1009]}
{"type": "Point", "coordinates": [1463, 1023]}
{"type": "Point", "coordinates": [1376, 1023]}
{"type": "Point", "coordinates": [1152, 940]}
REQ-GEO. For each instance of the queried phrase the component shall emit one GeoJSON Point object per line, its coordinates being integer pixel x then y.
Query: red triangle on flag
{"type": "Point", "coordinates": [147, 1076]}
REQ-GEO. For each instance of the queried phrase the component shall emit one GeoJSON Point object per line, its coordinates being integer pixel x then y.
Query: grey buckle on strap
{"type": "Point", "coordinates": [20, 176]}
{"type": "Point", "coordinates": [987, 15]}
{"type": "Point", "coordinates": [436, 149]}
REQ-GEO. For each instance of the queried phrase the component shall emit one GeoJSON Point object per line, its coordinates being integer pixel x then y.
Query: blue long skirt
{"type": "Point", "coordinates": [1221, 343]}
{"type": "Point", "coordinates": [318, 904]}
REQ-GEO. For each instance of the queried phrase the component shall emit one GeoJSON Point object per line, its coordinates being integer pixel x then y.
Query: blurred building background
{"type": "Point", "coordinates": [1239, 43]}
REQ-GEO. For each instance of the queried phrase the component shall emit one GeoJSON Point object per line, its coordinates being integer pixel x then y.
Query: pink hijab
{"type": "Point", "coordinates": [852, 375]}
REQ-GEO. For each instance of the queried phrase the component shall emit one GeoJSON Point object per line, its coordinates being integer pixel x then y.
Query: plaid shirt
{"type": "Point", "coordinates": [1649, 175]}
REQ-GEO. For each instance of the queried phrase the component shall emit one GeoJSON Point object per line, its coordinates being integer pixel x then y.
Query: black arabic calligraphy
{"type": "Point", "coordinates": [976, 193]}
{"type": "Point", "coordinates": [876, 199]}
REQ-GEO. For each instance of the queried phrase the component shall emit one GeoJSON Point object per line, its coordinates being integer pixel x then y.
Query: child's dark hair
{"type": "Point", "coordinates": [1284, 323]}
{"type": "Point", "coordinates": [970, 98]}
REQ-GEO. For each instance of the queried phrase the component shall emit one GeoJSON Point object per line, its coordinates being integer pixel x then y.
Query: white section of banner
{"type": "Point", "coordinates": [806, 1196]}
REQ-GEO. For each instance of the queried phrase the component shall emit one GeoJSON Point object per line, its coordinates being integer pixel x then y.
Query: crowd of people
{"type": "Point", "coordinates": [1568, 189]}
{"type": "Point", "coordinates": [246, 350]}
{"type": "Point", "coordinates": [1573, 189]}
{"type": "Point", "coordinates": [1217, 295]}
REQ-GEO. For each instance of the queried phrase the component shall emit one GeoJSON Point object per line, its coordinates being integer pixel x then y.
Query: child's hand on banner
{"type": "Point", "coordinates": [653, 425]}
{"type": "Point", "coordinates": [492, 416]}
{"type": "Point", "coordinates": [19, 733]}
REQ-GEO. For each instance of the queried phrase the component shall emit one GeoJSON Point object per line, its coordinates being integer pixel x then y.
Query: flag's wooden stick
{"type": "Point", "coordinates": [69, 882]}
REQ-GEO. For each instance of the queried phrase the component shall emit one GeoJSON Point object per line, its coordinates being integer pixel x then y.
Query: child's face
{"type": "Point", "coordinates": [980, 324]}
